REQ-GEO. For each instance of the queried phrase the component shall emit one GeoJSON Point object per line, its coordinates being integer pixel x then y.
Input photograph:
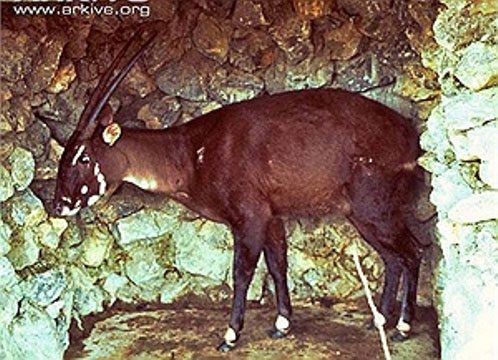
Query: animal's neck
{"type": "Point", "coordinates": [155, 160]}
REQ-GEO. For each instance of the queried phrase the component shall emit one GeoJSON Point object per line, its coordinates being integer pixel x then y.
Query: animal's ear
{"type": "Point", "coordinates": [105, 117]}
{"type": "Point", "coordinates": [111, 133]}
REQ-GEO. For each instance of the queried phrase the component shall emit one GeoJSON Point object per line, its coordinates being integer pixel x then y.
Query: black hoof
{"type": "Point", "coordinates": [277, 334]}
{"type": "Point", "coordinates": [225, 347]}
{"type": "Point", "coordinates": [400, 336]}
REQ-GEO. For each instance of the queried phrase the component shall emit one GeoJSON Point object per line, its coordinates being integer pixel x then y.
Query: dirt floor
{"type": "Point", "coordinates": [180, 332]}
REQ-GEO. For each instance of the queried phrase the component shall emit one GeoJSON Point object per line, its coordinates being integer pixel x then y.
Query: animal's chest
{"type": "Point", "coordinates": [200, 205]}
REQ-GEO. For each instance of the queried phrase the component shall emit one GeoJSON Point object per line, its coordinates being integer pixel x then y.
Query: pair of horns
{"type": "Point", "coordinates": [108, 84]}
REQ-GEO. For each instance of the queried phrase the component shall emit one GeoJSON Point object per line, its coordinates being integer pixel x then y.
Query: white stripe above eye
{"type": "Point", "coordinates": [78, 154]}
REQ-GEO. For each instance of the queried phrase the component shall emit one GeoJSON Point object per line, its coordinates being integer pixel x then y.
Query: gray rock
{"type": "Point", "coordinates": [6, 184]}
{"type": "Point", "coordinates": [310, 73]}
{"type": "Point", "coordinates": [45, 288]}
{"type": "Point", "coordinates": [478, 67]}
{"type": "Point", "coordinates": [235, 87]}
{"type": "Point", "coordinates": [145, 224]}
{"type": "Point", "coordinates": [45, 63]}
{"type": "Point", "coordinates": [249, 13]}
{"type": "Point", "coordinates": [161, 113]}
{"type": "Point", "coordinates": [22, 168]}
{"type": "Point", "coordinates": [292, 36]}
{"type": "Point", "coordinates": [211, 38]}
{"type": "Point", "coordinates": [186, 78]}
{"type": "Point", "coordinates": [16, 54]}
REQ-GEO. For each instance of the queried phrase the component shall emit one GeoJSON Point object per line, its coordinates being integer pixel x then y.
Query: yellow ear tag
{"type": "Point", "coordinates": [111, 134]}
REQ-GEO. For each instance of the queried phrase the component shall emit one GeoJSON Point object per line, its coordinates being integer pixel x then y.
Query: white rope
{"type": "Point", "coordinates": [379, 319]}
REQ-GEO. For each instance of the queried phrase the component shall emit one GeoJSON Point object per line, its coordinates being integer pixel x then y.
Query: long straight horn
{"type": "Point", "coordinates": [107, 86]}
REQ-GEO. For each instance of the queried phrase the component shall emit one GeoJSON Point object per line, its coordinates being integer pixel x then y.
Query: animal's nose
{"type": "Point", "coordinates": [57, 208]}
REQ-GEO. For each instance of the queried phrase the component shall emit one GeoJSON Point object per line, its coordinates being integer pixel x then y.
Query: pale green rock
{"type": "Point", "coordinates": [488, 172]}
{"type": "Point", "coordinates": [478, 66]}
{"type": "Point", "coordinates": [465, 110]}
{"type": "Point", "coordinates": [35, 334]}
{"type": "Point", "coordinates": [22, 165]}
{"type": "Point", "coordinates": [172, 291]}
{"type": "Point", "coordinates": [6, 184]}
{"type": "Point", "coordinates": [8, 277]}
{"type": "Point", "coordinates": [25, 251]}
{"type": "Point", "coordinates": [49, 233]}
{"type": "Point", "coordinates": [44, 288]}
{"type": "Point", "coordinates": [144, 266]}
{"type": "Point", "coordinates": [88, 298]}
{"type": "Point", "coordinates": [5, 233]}
{"type": "Point", "coordinates": [8, 348]}
{"type": "Point", "coordinates": [27, 210]}
{"type": "Point", "coordinates": [144, 224]}
{"type": "Point", "coordinates": [475, 208]}
{"type": "Point", "coordinates": [96, 246]}
{"type": "Point", "coordinates": [448, 189]}
{"type": "Point", "coordinates": [203, 252]}
{"type": "Point", "coordinates": [113, 283]}
{"type": "Point", "coordinates": [8, 307]}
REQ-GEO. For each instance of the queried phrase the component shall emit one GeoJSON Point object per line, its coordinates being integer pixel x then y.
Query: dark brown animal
{"type": "Point", "coordinates": [248, 165]}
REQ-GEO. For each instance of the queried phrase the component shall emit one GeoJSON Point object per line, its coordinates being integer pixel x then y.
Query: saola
{"type": "Point", "coordinates": [248, 165]}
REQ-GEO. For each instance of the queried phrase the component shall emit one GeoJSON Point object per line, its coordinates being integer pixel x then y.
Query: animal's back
{"type": "Point", "coordinates": [299, 149]}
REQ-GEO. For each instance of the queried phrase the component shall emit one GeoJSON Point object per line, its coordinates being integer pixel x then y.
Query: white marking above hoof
{"type": "Point", "coordinates": [230, 336]}
{"type": "Point", "coordinates": [403, 327]}
{"type": "Point", "coordinates": [282, 324]}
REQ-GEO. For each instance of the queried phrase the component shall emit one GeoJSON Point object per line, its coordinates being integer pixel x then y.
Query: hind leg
{"type": "Point", "coordinates": [275, 250]}
{"type": "Point", "coordinates": [392, 271]}
{"type": "Point", "coordinates": [392, 276]}
{"type": "Point", "coordinates": [408, 302]}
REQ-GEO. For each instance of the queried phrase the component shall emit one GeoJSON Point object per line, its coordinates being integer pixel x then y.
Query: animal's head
{"type": "Point", "coordinates": [80, 178]}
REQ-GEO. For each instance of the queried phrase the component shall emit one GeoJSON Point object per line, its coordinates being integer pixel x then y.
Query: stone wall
{"type": "Point", "coordinates": [461, 141]}
{"type": "Point", "coordinates": [137, 247]}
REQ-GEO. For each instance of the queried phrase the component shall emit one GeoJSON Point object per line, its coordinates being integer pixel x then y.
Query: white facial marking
{"type": "Point", "coordinates": [84, 190]}
{"type": "Point", "coordinates": [282, 324]}
{"type": "Point", "coordinates": [230, 336]}
{"type": "Point", "coordinates": [66, 199]}
{"type": "Point", "coordinates": [200, 154]}
{"type": "Point", "coordinates": [93, 199]}
{"type": "Point", "coordinates": [100, 179]}
{"type": "Point", "coordinates": [403, 327]}
{"type": "Point", "coordinates": [78, 154]}
{"type": "Point", "coordinates": [96, 169]}
{"type": "Point", "coordinates": [69, 212]}
{"type": "Point", "coordinates": [102, 183]}
{"type": "Point", "coordinates": [142, 182]}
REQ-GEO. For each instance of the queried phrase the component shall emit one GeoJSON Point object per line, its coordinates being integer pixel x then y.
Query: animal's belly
{"type": "Point", "coordinates": [310, 202]}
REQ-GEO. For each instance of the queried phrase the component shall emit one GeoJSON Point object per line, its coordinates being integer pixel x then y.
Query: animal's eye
{"type": "Point", "coordinates": [84, 159]}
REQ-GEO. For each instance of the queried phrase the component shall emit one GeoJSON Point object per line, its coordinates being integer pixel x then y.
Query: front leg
{"type": "Point", "coordinates": [248, 244]}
